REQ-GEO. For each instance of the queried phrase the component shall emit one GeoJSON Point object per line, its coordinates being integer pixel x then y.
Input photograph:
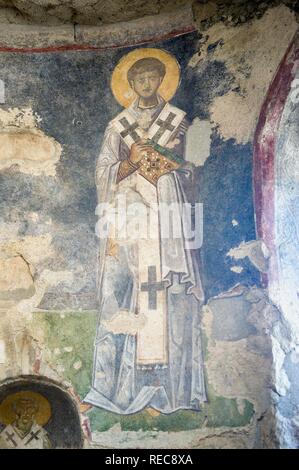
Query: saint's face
{"type": "Point", "coordinates": [25, 415]}
{"type": "Point", "coordinates": [146, 84]}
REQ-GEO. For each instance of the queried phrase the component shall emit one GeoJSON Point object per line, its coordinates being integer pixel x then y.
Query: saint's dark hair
{"type": "Point", "coordinates": [16, 405]}
{"type": "Point", "coordinates": [146, 65]}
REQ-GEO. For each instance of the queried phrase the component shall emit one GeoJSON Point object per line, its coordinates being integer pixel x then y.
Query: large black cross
{"type": "Point", "coordinates": [33, 435]}
{"type": "Point", "coordinates": [164, 126]}
{"type": "Point", "coordinates": [129, 129]}
{"type": "Point", "coordinates": [152, 286]}
{"type": "Point", "coordinates": [10, 437]}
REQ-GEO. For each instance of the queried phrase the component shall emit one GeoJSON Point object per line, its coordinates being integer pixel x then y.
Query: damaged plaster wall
{"type": "Point", "coordinates": [245, 51]}
{"type": "Point", "coordinates": [22, 144]}
{"type": "Point", "coordinates": [284, 286]}
{"type": "Point", "coordinates": [233, 64]}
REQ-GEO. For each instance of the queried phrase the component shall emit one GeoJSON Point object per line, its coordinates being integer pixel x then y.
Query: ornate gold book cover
{"type": "Point", "coordinates": [158, 162]}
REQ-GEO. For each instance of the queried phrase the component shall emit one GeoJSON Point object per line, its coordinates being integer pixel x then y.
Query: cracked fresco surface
{"type": "Point", "coordinates": [48, 311]}
{"type": "Point", "coordinates": [68, 214]}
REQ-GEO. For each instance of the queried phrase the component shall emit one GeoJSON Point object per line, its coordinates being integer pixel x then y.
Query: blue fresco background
{"type": "Point", "coordinates": [70, 91]}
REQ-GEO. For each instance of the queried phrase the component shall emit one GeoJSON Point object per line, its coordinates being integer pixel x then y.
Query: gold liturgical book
{"type": "Point", "coordinates": [158, 162]}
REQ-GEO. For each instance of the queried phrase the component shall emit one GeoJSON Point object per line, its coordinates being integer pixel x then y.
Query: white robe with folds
{"type": "Point", "coordinates": [125, 380]}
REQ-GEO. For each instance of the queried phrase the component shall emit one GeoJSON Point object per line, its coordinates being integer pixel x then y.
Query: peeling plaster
{"type": "Point", "coordinates": [19, 258]}
{"type": "Point", "coordinates": [32, 249]}
{"type": "Point", "coordinates": [14, 274]}
{"type": "Point", "coordinates": [23, 118]}
{"type": "Point", "coordinates": [22, 144]}
{"type": "Point", "coordinates": [236, 269]}
{"type": "Point", "coordinates": [222, 438]}
{"type": "Point", "coordinates": [252, 53]}
{"type": "Point", "coordinates": [34, 153]}
{"type": "Point", "coordinates": [46, 279]}
{"type": "Point", "coordinates": [125, 322]}
{"type": "Point", "coordinates": [255, 250]}
{"type": "Point", "coordinates": [233, 367]}
{"type": "Point", "coordinates": [198, 141]}
{"type": "Point", "coordinates": [282, 383]}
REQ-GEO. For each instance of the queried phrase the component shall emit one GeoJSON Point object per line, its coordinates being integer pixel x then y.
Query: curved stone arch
{"type": "Point", "coordinates": [276, 192]}
{"type": "Point", "coordinates": [265, 142]}
{"type": "Point", "coordinates": [65, 425]}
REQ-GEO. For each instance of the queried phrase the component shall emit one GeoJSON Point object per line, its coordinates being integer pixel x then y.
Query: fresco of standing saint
{"type": "Point", "coordinates": [148, 351]}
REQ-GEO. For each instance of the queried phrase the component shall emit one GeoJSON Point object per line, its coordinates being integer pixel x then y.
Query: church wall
{"type": "Point", "coordinates": [56, 107]}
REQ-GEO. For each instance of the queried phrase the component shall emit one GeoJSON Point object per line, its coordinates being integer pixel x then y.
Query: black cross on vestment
{"type": "Point", "coordinates": [129, 129]}
{"type": "Point", "coordinates": [164, 126]}
{"type": "Point", "coordinates": [10, 438]}
{"type": "Point", "coordinates": [152, 286]}
{"type": "Point", "coordinates": [33, 435]}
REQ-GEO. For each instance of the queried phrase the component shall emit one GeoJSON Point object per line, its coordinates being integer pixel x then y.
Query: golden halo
{"type": "Point", "coordinates": [8, 416]}
{"type": "Point", "coordinates": [120, 86]}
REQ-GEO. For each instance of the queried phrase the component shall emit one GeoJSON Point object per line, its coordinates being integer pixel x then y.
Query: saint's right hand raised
{"type": "Point", "coordinates": [139, 151]}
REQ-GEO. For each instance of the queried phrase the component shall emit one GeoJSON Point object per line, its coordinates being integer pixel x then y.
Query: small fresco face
{"type": "Point", "coordinates": [37, 415]}
{"type": "Point", "coordinates": [146, 84]}
{"type": "Point", "coordinates": [25, 410]}
{"type": "Point", "coordinates": [25, 413]}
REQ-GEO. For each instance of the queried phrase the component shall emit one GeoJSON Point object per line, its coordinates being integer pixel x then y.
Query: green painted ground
{"type": "Point", "coordinates": [69, 337]}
